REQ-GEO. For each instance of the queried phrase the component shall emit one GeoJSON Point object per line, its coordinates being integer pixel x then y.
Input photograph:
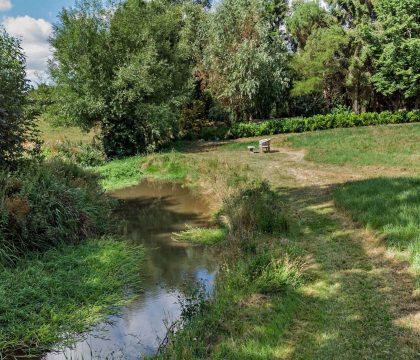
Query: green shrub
{"type": "Point", "coordinates": [321, 122]}
{"type": "Point", "coordinates": [213, 133]}
{"type": "Point", "coordinates": [279, 274]}
{"type": "Point", "coordinates": [82, 154]}
{"type": "Point", "coordinates": [49, 204]}
{"type": "Point", "coordinates": [257, 209]}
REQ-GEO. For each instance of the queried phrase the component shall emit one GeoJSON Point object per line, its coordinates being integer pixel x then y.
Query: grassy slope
{"type": "Point", "coordinates": [389, 205]}
{"type": "Point", "coordinates": [392, 145]}
{"type": "Point", "coordinates": [64, 292]}
{"type": "Point", "coordinates": [355, 301]}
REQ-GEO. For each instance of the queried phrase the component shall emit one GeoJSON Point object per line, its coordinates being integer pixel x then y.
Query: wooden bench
{"type": "Point", "coordinates": [265, 145]}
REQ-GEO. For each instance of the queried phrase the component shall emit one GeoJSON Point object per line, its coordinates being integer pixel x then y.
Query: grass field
{"type": "Point", "coordinates": [325, 264]}
{"type": "Point", "coordinates": [51, 134]}
{"type": "Point", "coordinates": [392, 145]}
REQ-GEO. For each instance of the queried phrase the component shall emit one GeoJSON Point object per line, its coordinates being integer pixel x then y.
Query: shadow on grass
{"type": "Point", "coordinates": [358, 301]}
{"type": "Point", "coordinates": [353, 305]}
{"type": "Point", "coordinates": [388, 205]}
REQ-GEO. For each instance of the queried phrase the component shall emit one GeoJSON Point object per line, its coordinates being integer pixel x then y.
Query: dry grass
{"type": "Point", "coordinates": [51, 135]}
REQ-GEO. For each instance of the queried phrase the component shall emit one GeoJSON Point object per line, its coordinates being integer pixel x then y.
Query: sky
{"type": "Point", "coordinates": [32, 21]}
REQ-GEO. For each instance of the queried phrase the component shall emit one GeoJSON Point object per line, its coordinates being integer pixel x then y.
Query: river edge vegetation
{"type": "Point", "coordinates": [282, 243]}
{"type": "Point", "coordinates": [320, 257]}
{"type": "Point", "coordinates": [62, 270]}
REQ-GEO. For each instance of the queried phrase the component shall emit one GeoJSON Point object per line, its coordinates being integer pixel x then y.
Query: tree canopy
{"type": "Point", "coordinates": [146, 72]}
{"type": "Point", "coordinates": [17, 133]}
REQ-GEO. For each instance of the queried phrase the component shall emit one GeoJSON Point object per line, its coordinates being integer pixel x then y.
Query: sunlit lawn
{"type": "Point", "coordinates": [388, 145]}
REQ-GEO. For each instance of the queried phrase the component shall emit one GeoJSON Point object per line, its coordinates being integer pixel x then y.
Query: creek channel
{"type": "Point", "coordinates": [150, 213]}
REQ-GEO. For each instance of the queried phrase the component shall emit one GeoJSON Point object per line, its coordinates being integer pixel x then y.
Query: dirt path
{"type": "Point", "coordinates": [360, 301]}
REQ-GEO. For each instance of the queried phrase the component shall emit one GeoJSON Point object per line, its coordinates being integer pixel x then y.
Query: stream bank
{"type": "Point", "coordinates": [150, 213]}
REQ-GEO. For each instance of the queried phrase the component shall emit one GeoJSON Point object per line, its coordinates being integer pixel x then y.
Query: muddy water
{"type": "Point", "coordinates": [150, 213]}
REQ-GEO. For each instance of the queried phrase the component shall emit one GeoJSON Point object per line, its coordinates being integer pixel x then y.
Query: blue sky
{"type": "Point", "coordinates": [31, 21]}
{"type": "Point", "coordinates": [44, 9]}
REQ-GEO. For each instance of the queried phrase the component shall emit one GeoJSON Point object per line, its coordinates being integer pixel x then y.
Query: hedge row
{"type": "Point", "coordinates": [321, 122]}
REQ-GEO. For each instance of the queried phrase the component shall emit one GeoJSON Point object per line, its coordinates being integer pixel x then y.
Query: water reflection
{"type": "Point", "coordinates": [151, 213]}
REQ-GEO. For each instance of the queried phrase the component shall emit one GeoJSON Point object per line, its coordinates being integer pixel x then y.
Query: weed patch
{"type": "Point", "coordinates": [203, 236]}
{"type": "Point", "coordinates": [255, 209]}
{"type": "Point", "coordinates": [47, 205]}
{"type": "Point", "coordinates": [121, 173]}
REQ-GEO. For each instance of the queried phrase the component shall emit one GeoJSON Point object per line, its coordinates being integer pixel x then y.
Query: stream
{"type": "Point", "coordinates": [150, 212]}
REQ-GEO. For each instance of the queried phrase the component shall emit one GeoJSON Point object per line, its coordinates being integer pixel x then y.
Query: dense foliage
{"type": "Point", "coordinates": [43, 206]}
{"type": "Point", "coordinates": [246, 59]}
{"type": "Point", "coordinates": [359, 53]}
{"type": "Point", "coordinates": [128, 82]}
{"type": "Point", "coordinates": [322, 122]}
{"type": "Point", "coordinates": [146, 72]}
{"type": "Point", "coordinates": [17, 135]}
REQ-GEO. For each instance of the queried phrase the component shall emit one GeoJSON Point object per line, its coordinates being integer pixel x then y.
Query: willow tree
{"type": "Point", "coordinates": [246, 60]}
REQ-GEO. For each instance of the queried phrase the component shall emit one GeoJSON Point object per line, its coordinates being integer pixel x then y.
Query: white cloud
{"type": "Point", "coordinates": [34, 34]}
{"type": "Point", "coordinates": [5, 5]}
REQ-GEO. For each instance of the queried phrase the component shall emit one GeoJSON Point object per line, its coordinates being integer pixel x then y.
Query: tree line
{"type": "Point", "coordinates": [146, 72]}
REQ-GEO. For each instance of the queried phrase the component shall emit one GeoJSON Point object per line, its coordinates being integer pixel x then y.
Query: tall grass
{"type": "Point", "coordinates": [46, 205]}
{"type": "Point", "coordinates": [48, 299]}
{"type": "Point", "coordinates": [255, 209]}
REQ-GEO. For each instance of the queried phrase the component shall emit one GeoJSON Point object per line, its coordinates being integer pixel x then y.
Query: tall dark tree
{"type": "Point", "coordinates": [396, 48]}
{"type": "Point", "coordinates": [17, 130]}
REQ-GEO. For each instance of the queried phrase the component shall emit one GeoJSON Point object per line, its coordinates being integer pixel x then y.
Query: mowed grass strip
{"type": "Point", "coordinates": [51, 298]}
{"type": "Point", "coordinates": [387, 145]}
{"type": "Point", "coordinates": [390, 206]}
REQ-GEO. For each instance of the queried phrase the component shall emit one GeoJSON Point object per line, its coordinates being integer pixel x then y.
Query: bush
{"type": "Point", "coordinates": [322, 122]}
{"type": "Point", "coordinates": [47, 205]}
{"type": "Point", "coordinates": [256, 209]}
{"type": "Point", "coordinates": [80, 153]}
{"type": "Point", "coordinates": [213, 133]}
